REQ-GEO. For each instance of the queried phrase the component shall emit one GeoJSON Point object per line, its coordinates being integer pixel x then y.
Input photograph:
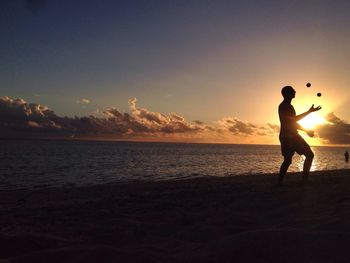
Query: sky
{"type": "Point", "coordinates": [206, 71]}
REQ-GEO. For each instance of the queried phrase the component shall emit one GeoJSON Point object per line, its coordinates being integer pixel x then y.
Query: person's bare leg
{"type": "Point", "coordinates": [307, 165]}
{"type": "Point", "coordinates": [284, 167]}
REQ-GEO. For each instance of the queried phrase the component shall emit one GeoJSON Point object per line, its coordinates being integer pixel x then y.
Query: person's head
{"type": "Point", "coordinates": [288, 92]}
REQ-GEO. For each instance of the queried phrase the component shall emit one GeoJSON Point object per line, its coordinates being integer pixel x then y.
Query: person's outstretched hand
{"type": "Point", "coordinates": [310, 133]}
{"type": "Point", "coordinates": [312, 108]}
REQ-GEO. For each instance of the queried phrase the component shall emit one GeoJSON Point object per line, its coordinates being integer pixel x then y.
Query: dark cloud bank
{"type": "Point", "coordinates": [337, 131]}
{"type": "Point", "coordinates": [20, 119]}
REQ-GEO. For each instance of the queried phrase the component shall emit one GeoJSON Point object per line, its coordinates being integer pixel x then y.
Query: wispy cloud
{"type": "Point", "coordinates": [83, 101]}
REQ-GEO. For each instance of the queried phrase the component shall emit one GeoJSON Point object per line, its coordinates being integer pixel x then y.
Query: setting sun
{"type": "Point", "coordinates": [312, 120]}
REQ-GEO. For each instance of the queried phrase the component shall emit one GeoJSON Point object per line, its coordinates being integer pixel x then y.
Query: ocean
{"type": "Point", "coordinates": [26, 164]}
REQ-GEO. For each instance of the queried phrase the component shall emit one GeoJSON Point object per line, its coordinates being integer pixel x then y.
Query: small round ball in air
{"type": "Point", "coordinates": [308, 85]}
{"type": "Point", "coordinates": [319, 94]}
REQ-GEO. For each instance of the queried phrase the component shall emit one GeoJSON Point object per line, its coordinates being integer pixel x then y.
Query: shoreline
{"type": "Point", "coordinates": [186, 179]}
{"type": "Point", "coordinates": [212, 219]}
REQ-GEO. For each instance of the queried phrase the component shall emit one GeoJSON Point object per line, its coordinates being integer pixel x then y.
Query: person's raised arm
{"type": "Point", "coordinates": [312, 109]}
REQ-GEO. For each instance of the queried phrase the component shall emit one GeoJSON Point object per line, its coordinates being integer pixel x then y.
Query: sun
{"type": "Point", "coordinates": [312, 120]}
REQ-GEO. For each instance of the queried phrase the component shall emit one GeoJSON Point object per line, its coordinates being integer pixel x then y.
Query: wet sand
{"type": "Point", "coordinates": [232, 219]}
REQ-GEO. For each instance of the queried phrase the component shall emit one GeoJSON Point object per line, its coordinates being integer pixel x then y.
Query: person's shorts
{"type": "Point", "coordinates": [290, 145]}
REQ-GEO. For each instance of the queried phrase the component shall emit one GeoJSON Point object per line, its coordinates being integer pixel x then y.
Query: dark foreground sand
{"type": "Point", "coordinates": [237, 219]}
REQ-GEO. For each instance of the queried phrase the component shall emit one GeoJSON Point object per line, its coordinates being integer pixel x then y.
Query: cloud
{"type": "Point", "coordinates": [19, 118]}
{"type": "Point", "coordinates": [236, 126]}
{"type": "Point", "coordinates": [83, 101]}
{"type": "Point", "coordinates": [18, 111]}
{"type": "Point", "coordinates": [243, 128]}
{"type": "Point", "coordinates": [336, 131]}
{"type": "Point", "coordinates": [159, 122]}
{"type": "Point", "coordinates": [19, 115]}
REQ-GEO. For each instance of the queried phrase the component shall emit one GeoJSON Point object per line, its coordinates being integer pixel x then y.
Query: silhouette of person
{"type": "Point", "coordinates": [290, 139]}
{"type": "Point", "coordinates": [346, 155]}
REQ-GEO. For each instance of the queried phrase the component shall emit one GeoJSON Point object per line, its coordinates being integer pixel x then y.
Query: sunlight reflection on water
{"type": "Point", "coordinates": [26, 164]}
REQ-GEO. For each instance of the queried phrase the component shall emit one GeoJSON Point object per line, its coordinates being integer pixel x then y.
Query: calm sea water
{"type": "Point", "coordinates": [36, 164]}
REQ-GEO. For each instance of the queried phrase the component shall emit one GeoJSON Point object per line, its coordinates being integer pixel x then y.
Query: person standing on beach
{"type": "Point", "coordinates": [290, 139]}
{"type": "Point", "coordinates": [346, 155]}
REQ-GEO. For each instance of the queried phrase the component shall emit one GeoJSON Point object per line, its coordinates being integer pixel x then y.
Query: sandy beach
{"type": "Point", "coordinates": [231, 219]}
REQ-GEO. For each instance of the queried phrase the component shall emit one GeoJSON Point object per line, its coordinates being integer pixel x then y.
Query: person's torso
{"type": "Point", "coordinates": [287, 115]}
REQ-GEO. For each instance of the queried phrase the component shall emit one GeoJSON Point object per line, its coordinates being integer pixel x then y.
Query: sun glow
{"type": "Point", "coordinates": [312, 120]}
